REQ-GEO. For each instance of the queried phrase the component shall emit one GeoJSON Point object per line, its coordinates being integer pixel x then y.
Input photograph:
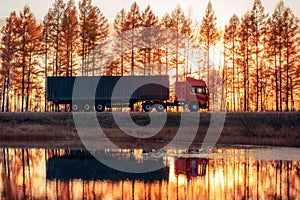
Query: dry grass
{"type": "Point", "coordinates": [272, 129]}
{"type": "Point", "coordinates": [36, 131]}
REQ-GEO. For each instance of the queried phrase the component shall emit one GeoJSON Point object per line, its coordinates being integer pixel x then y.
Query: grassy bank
{"type": "Point", "coordinates": [268, 129]}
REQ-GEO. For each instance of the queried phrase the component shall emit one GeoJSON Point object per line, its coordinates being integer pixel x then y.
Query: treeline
{"type": "Point", "coordinates": [261, 60]}
{"type": "Point", "coordinates": [257, 67]}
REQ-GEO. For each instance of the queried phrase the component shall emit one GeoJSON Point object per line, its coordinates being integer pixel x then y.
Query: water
{"type": "Point", "coordinates": [227, 173]}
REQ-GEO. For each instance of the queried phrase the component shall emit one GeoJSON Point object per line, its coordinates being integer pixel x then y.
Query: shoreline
{"type": "Point", "coordinates": [58, 129]}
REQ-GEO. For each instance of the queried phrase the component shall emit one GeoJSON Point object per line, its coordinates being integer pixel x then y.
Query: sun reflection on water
{"type": "Point", "coordinates": [63, 174]}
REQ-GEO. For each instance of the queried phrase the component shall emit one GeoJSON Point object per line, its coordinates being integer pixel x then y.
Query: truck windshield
{"type": "Point", "coordinates": [198, 90]}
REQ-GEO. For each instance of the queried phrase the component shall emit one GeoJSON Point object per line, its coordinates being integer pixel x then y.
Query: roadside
{"type": "Point", "coordinates": [58, 129]}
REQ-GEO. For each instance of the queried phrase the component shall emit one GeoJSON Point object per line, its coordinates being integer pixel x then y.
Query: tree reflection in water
{"type": "Point", "coordinates": [75, 174]}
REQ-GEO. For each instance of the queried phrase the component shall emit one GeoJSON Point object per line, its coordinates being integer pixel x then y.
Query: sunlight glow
{"type": "Point", "coordinates": [228, 177]}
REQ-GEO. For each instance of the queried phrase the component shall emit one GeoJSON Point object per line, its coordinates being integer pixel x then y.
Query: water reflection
{"type": "Point", "coordinates": [75, 174]}
{"type": "Point", "coordinates": [77, 164]}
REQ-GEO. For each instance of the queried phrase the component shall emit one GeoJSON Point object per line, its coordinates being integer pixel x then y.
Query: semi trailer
{"type": "Point", "coordinates": [88, 93]}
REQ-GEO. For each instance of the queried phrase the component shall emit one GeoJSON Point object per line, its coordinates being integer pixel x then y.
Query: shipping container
{"type": "Point", "coordinates": [105, 89]}
{"type": "Point", "coordinates": [99, 92]}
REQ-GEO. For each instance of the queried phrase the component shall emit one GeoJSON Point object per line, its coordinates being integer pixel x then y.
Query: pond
{"type": "Point", "coordinates": [226, 173]}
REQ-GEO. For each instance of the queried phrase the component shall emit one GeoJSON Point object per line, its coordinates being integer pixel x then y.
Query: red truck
{"type": "Point", "coordinates": [192, 93]}
{"type": "Point", "coordinates": [98, 92]}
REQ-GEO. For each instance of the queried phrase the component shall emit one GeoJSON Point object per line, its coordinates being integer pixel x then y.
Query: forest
{"type": "Point", "coordinates": [250, 64]}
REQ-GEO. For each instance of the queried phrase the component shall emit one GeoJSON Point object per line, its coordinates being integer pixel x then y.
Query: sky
{"type": "Point", "coordinates": [224, 9]}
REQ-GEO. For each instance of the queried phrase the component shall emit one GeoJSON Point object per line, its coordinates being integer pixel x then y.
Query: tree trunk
{"type": "Point", "coordinates": [28, 83]}
{"type": "Point", "coordinates": [247, 75]}
{"type": "Point", "coordinates": [245, 87]}
{"type": "Point", "coordinates": [208, 71]}
{"type": "Point", "coordinates": [287, 84]}
{"type": "Point", "coordinates": [132, 50]}
{"type": "Point", "coordinates": [292, 95]}
{"type": "Point", "coordinates": [8, 85]}
{"type": "Point", "coordinates": [4, 93]}
{"type": "Point", "coordinates": [276, 81]}
{"type": "Point", "coordinates": [280, 78]}
{"type": "Point", "coordinates": [46, 68]}
{"type": "Point", "coordinates": [233, 77]}
{"type": "Point", "coordinates": [23, 85]}
{"type": "Point", "coordinates": [257, 77]}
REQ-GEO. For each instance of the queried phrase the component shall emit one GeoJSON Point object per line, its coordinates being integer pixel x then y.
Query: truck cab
{"type": "Point", "coordinates": [192, 93]}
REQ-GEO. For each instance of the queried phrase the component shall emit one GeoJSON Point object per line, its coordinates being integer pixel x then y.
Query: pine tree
{"type": "Point", "coordinates": [275, 46]}
{"type": "Point", "coordinates": [167, 39]}
{"type": "Point", "coordinates": [45, 44]}
{"type": "Point", "coordinates": [93, 30]}
{"type": "Point", "coordinates": [30, 33]}
{"type": "Point", "coordinates": [209, 35]}
{"type": "Point", "coordinates": [149, 36]}
{"type": "Point", "coordinates": [57, 13]}
{"type": "Point", "coordinates": [245, 55]}
{"type": "Point", "coordinates": [119, 49]}
{"type": "Point", "coordinates": [258, 32]}
{"type": "Point", "coordinates": [283, 36]}
{"type": "Point", "coordinates": [290, 35]}
{"type": "Point", "coordinates": [84, 6]}
{"type": "Point", "coordinates": [133, 21]}
{"type": "Point", "coordinates": [187, 33]}
{"type": "Point", "coordinates": [8, 56]}
{"type": "Point", "coordinates": [178, 20]}
{"type": "Point", "coordinates": [231, 45]}
{"type": "Point", "coordinates": [69, 39]}
{"type": "Point", "coordinates": [97, 32]}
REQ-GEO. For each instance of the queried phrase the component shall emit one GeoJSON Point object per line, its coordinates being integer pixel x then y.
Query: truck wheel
{"type": "Point", "coordinates": [147, 106]}
{"type": "Point", "coordinates": [75, 107]}
{"type": "Point", "coordinates": [160, 107]}
{"type": "Point", "coordinates": [194, 106]}
{"type": "Point", "coordinates": [100, 107]}
{"type": "Point", "coordinates": [87, 107]}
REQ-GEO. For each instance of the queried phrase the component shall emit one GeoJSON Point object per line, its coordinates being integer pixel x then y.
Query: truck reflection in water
{"type": "Point", "coordinates": [80, 164]}
{"type": "Point", "coordinates": [73, 174]}
{"type": "Point", "coordinates": [191, 166]}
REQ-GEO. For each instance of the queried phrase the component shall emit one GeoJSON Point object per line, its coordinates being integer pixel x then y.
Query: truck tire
{"type": "Point", "coordinates": [194, 106]}
{"type": "Point", "coordinates": [160, 107]}
{"type": "Point", "coordinates": [87, 106]}
{"type": "Point", "coordinates": [147, 106]}
{"type": "Point", "coordinates": [100, 106]}
{"type": "Point", "coordinates": [75, 107]}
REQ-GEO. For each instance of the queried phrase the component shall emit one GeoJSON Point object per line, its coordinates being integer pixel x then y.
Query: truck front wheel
{"type": "Point", "coordinates": [147, 106]}
{"type": "Point", "coordinates": [194, 106]}
{"type": "Point", "coordinates": [100, 107]}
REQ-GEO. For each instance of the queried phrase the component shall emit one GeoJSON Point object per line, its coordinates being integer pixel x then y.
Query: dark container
{"type": "Point", "coordinates": [107, 88]}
